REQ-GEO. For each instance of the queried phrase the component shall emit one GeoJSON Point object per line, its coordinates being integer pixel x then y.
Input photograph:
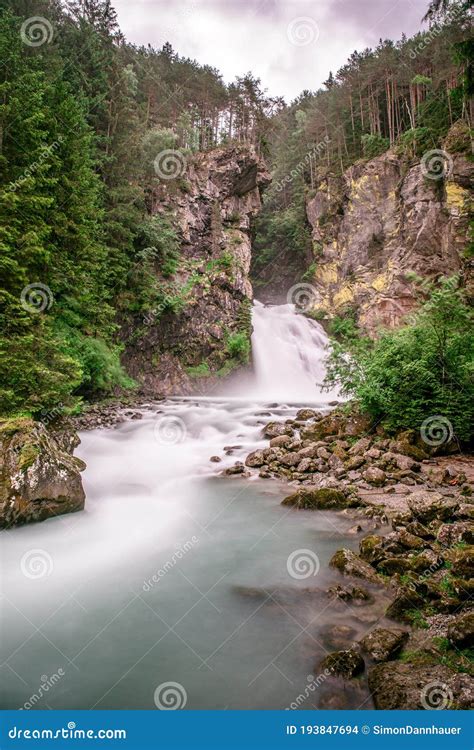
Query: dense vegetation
{"type": "Point", "coordinates": [83, 115]}
{"type": "Point", "coordinates": [405, 94]}
{"type": "Point", "coordinates": [424, 368]}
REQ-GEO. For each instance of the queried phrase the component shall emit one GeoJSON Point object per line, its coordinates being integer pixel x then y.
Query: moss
{"type": "Point", "coordinates": [28, 455]}
{"type": "Point", "coordinates": [9, 427]}
{"type": "Point", "coordinates": [199, 371]}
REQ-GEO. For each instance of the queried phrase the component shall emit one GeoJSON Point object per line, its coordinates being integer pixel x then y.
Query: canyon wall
{"type": "Point", "coordinates": [382, 223]}
{"type": "Point", "coordinates": [188, 349]}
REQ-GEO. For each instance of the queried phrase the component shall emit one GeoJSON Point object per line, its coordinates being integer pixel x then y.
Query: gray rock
{"type": "Point", "coordinates": [381, 643]}
{"type": "Point", "coordinates": [398, 686]}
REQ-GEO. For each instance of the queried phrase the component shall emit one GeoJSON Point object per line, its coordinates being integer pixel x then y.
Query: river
{"type": "Point", "coordinates": [178, 586]}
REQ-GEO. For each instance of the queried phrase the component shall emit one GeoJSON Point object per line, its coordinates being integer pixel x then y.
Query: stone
{"type": "Point", "coordinates": [280, 441]}
{"type": "Point", "coordinates": [392, 565]}
{"type": "Point", "coordinates": [277, 429]}
{"type": "Point", "coordinates": [306, 465]}
{"type": "Point", "coordinates": [304, 414]}
{"type": "Point", "coordinates": [373, 454]}
{"type": "Point", "coordinates": [453, 533]}
{"type": "Point", "coordinates": [347, 664]}
{"type": "Point", "coordinates": [371, 548]}
{"type": "Point", "coordinates": [39, 476]}
{"type": "Point", "coordinates": [462, 562]}
{"type": "Point", "coordinates": [215, 459]}
{"type": "Point", "coordinates": [237, 468]}
{"type": "Point", "coordinates": [354, 463]}
{"type": "Point", "coordinates": [382, 643]}
{"type": "Point", "coordinates": [461, 630]}
{"type": "Point", "coordinates": [356, 529]}
{"type": "Point", "coordinates": [255, 460]}
{"type": "Point", "coordinates": [362, 445]}
{"type": "Point", "coordinates": [323, 453]}
{"type": "Point", "coordinates": [337, 636]}
{"type": "Point", "coordinates": [405, 600]}
{"type": "Point", "coordinates": [347, 563]}
{"type": "Point", "coordinates": [374, 476]}
{"type": "Point", "coordinates": [408, 540]}
{"type": "Point", "coordinates": [355, 594]}
{"type": "Point", "coordinates": [291, 459]}
{"type": "Point", "coordinates": [399, 686]}
{"type": "Point", "coordinates": [426, 505]}
{"type": "Point", "coordinates": [318, 499]}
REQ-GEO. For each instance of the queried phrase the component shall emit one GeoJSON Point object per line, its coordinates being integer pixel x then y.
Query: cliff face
{"type": "Point", "coordinates": [377, 223]}
{"type": "Point", "coordinates": [207, 334]}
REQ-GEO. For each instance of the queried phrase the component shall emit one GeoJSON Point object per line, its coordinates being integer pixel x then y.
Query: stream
{"type": "Point", "coordinates": [177, 586]}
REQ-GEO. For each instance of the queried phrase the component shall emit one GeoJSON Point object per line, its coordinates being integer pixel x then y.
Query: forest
{"type": "Point", "coordinates": [82, 120]}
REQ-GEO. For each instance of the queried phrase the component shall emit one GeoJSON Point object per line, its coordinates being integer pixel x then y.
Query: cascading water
{"type": "Point", "coordinates": [288, 354]}
{"type": "Point", "coordinates": [167, 577]}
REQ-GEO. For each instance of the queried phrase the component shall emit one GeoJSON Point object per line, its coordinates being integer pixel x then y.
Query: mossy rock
{"type": "Point", "coordinates": [323, 498]}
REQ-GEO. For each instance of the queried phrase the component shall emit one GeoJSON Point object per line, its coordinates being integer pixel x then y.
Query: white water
{"type": "Point", "coordinates": [288, 353]}
{"type": "Point", "coordinates": [151, 490]}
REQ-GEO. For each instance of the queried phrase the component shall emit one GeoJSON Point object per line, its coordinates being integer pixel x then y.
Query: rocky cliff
{"type": "Point", "coordinates": [186, 346]}
{"type": "Point", "coordinates": [382, 223]}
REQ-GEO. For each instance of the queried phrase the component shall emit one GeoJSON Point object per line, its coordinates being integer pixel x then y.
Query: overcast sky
{"type": "Point", "coordinates": [290, 45]}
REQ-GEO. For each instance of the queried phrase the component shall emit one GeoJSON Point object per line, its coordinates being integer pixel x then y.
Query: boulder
{"type": "Point", "coordinates": [374, 476]}
{"type": "Point", "coordinates": [354, 463]}
{"type": "Point", "coordinates": [404, 602]}
{"type": "Point", "coordinates": [276, 429]}
{"type": "Point", "coordinates": [347, 663]}
{"type": "Point", "coordinates": [453, 533]}
{"type": "Point", "coordinates": [382, 643]}
{"type": "Point", "coordinates": [321, 498]}
{"type": "Point", "coordinates": [347, 563]}
{"type": "Point", "coordinates": [280, 441]}
{"type": "Point", "coordinates": [371, 548]}
{"type": "Point", "coordinates": [426, 505]}
{"type": "Point", "coordinates": [255, 460]}
{"type": "Point", "coordinates": [237, 468]}
{"type": "Point", "coordinates": [304, 414]}
{"type": "Point", "coordinates": [39, 478]}
{"type": "Point", "coordinates": [399, 686]}
{"type": "Point", "coordinates": [361, 446]}
{"type": "Point", "coordinates": [461, 630]}
{"type": "Point", "coordinates": [462, 562]}
{"type": "Point", "coordinates": [337, 636]}
{"type": "Point", "coordinates": [355, 594]}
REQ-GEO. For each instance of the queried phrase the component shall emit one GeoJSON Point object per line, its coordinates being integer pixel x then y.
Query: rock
{"type": "Point", "coordinates": [347, 663]}
{"type": "Point", "coordinates": [409, 541]}
{"type": "Point", "coordinates": [319, 499]}
{"type": "Point", "coordinates": [304, 414]}
{"type": "Point", "coordinates": [323, 453]}
{"type": "Point", "coordinates": [418, 529]}
{"type": "Point", "coordinates": [462, 562]}
{"type": "Point", "coordinates": [347, 563]}
{"type": "Point", "coordinates": [277, 429]}
{"type": "Point", "coordinates": [399, 686]}
{"type": "Point", "coordinates": [453, 533]}
{"type": "Point", "coordinates": [350, 593]}
{"type": "Point", "coordinates": [237, 468]}
{"type": "Point", "coordinates": [362, 445]}
{"type": "Point", "coordinates": [374, 476]}
{"type": "Point", "coordinates": [215, 459]}
{"type": "Point", "coordinates": [255, 460]}
{"type": "Point", "coordinates": [291, 459]}
{"type": "Point", "coordinates": [38, 478]}
{"type": "Point", "coordinates": [355, 529]}
{"type": "Point", "coordinates": [381, 643]}
{"type": "Point", "coordinates": [405, 600]}
{"type": "Point", "coordinates": [306, 465]}
{"type": "Point", "coordinates": [392, 565]}
{"type": "Point", "coordinates": [373, 454]}
{"type": "Point", "coordinates": [337, 636]}
{"type": "Point", "coordinates": [354, 463]}
{"type": "Point", "coordinates": [426, 505]}
{"type": "Point", "coordinates": [371, 548]}
{"type": "Point", "coordinates": [465, 510]}
{"type": "Point", "coordinates": [280, 441]}
{"type": "Point", "coordinates": [461, 630]}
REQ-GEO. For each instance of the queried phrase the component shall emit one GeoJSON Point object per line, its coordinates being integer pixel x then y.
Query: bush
{"type": "Point", "coordinates": [373, 145]}
{"type": "Point", "coordinates": [421, 370]}
{"type": "Point", "coordinates": [238, 346]}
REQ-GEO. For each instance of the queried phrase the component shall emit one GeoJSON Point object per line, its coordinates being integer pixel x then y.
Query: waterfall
{"type": "Point", "coordinates": [288, 355]}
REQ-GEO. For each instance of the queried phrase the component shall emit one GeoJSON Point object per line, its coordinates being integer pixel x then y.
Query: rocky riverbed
{"type": "Point", "coordinates": [424, 565]}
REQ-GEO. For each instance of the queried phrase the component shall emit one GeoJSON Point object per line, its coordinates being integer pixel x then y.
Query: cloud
{"type": "Point", "coordinates": [268, 36]}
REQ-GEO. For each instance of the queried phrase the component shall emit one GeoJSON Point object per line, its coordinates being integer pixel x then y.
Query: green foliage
{"type": "Point", "coordinates": [159, 244]}
{"type": "Point", "coordinates": [423, 369]}
{"type": "Point", "coordinates": [238, 346]}
{"type": "Point", "coordinates": [199, 371]}
{"type": "Point", "coordinates": [415, 141]}
{"type": "Point", "coordinates": [374, 145]}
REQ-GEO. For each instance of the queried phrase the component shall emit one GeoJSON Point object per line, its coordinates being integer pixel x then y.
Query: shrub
{"type": "Point", "coordinates": [238, 346]}
{"type": "Point", "coordinates": [423, 369]}
{"type": "Point", "coordinates": [374, 145]}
